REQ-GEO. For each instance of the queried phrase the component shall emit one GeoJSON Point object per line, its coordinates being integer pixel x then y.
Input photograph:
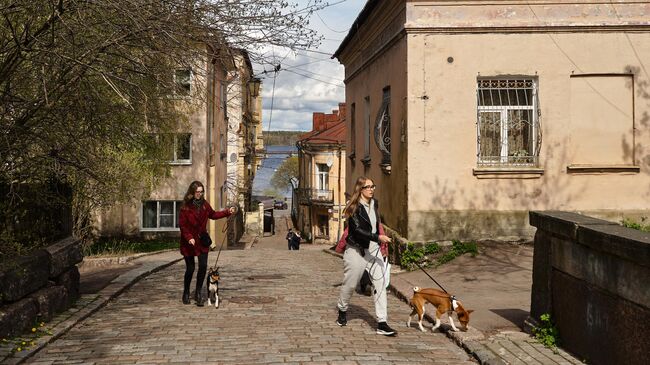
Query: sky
{"type": "Point", "coordinates": [308, 82]}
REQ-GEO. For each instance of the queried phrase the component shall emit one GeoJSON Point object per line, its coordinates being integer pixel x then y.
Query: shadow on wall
{"type": "Point", "coordinates": [497, 204]}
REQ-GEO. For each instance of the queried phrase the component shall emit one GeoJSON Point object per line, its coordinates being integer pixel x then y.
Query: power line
{"type": "Point", "coordinates": [315, 79]}
{"type": "Point", "coordinates": [330, 28]}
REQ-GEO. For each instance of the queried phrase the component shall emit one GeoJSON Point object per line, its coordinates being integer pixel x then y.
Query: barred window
{"type": "Point", "coordinates": [508, 122]}
{"type": "Point", "coordinates": [382, 127]}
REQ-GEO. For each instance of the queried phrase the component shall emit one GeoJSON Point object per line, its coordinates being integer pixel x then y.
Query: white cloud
{"type": "Point", "coordinates": [308, 82]}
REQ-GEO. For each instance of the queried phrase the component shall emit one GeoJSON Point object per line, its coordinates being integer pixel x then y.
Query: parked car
{"type": "Point", "coordinates": [279, 204]}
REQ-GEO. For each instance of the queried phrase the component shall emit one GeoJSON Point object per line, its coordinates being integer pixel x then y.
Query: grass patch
{"type": "Point", "coordinates": [546, 333]}
{"type": "Point", "coordinates": [432, 254]}
{"type": "Point", "coordinates": [122, 246]}
{"type": "Point", "coordinates": [641, 226]}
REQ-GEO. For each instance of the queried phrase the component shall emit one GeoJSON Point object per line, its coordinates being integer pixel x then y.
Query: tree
{"type": "Point", "coordinates": [281, 179]}
{"type": "Point", "coordinates": [84, 84]}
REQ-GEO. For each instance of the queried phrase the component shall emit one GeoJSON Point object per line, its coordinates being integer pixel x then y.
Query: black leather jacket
{"type": "Point", "coordinates": [360, 229]}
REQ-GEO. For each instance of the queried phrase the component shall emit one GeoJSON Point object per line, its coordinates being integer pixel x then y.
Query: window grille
{"type": "Point", "coordinates": [382, 128]}
{"type": "Point", "coordinates": [508, 127]}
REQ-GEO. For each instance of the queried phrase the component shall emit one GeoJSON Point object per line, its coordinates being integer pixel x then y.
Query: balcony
{"type": "Point", "coordinates": [315, 196]}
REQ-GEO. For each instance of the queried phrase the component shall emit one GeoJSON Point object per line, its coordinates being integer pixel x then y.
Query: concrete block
{"type": "Point", "coordinates": [63, 255]}
{"type": "Point", "coordinates": [17, 317]}
{"type": "Point", "coordinates": [24, 275]}
{"type": "Point", "coordinates": [50, 301]}
{"type": "Point", "coordinates": [70, 281]}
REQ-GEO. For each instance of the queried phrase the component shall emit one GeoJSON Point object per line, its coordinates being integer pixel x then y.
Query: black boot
{"type": "Point", "coordinates": [186, 297]}
{"type": "Point", "coordinates": [342, 320]}
{"type": "Point", "coordinates": [198, 298]}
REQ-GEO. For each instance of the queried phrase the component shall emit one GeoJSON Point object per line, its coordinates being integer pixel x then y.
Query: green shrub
{"type": "Point", "coordinates": [123, 246]}
{"type": "Point", "coordinates": [457, 249]}
{"type": "Point", "coordinates": [546, 333]}
{"type": "Point", "coordinates": [629, 223]}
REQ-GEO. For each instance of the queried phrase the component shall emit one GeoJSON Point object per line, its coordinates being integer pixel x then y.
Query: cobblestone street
{"type": "Point", "coordinates": [278, 306]}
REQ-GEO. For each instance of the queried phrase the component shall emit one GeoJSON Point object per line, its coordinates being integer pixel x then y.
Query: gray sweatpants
{"type": "Point", "coordinates": [353, 266]}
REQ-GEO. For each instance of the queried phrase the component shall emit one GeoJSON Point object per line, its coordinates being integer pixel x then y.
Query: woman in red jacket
{"type": "Point", "coordinates": [192, 221]}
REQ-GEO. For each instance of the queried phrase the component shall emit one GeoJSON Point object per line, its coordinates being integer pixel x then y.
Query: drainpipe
{"type": "Point", "coordinates": [338, 234]}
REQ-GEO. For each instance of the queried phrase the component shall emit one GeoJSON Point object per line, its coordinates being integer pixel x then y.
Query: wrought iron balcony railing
{"type": "Point", "coordinates": [315, 196]}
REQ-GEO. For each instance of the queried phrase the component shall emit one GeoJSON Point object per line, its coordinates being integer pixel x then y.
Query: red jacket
{"type": "Point", "coordinates": [192, 222]}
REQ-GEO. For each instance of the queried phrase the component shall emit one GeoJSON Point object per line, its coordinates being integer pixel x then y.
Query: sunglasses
{"type": "Point", "coordinates": [369, 187]}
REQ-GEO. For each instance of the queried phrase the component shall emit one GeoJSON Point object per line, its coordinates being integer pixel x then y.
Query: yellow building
{"type": "Point", "coordinates": [320, 195]}
{"type": "Point", "coordinates": [468, 114]}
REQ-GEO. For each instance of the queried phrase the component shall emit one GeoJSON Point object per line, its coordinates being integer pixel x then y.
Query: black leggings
{"type": "Point", "coordinates": [189, 271]}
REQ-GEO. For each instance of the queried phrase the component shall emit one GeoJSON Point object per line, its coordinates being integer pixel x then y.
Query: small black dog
{"type": "Point", "coordinates": [213, 286]}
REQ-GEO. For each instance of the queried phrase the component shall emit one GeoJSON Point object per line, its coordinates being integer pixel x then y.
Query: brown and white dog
{"type": "Point", "coordinates": [213, 286]}
{"type": "Point", "coordinates": [443, 302]}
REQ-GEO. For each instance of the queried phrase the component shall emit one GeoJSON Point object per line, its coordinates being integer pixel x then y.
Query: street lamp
{"type": "Point", "coordinates": [254, 87]}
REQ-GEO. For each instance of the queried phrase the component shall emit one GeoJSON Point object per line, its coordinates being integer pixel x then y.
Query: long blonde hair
{"type": "Point", "coordinates": [353, 204]}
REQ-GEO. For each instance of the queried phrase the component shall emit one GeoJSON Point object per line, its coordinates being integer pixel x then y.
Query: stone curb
{"type": "Point", "coordinates": [115, 288]}
{"type": "Point", "coordinates": [117, 260]}
{"type": "Point", "coordinates": [469, 341]}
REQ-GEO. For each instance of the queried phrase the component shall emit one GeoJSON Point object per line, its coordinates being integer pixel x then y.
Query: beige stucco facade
{"type": "Point", "coordinates": [206, 125]}
{"type": "Point", "coordinates": [590, 136]}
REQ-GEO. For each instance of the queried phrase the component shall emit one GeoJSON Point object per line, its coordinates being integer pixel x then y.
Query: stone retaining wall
{"type": "Point", "coordinates": [593, 277]}
{"type": "Point", "coordinates": [33, 288]}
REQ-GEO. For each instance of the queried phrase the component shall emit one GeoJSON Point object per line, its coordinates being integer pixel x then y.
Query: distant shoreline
{"type": "Point", "coordinates": [282, 138]}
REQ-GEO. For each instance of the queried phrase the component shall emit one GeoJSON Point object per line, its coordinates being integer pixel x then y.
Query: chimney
{"type": "Point", "coordinates": [342, 111]}
{"type": "Point", "coordinates": [318, 121]}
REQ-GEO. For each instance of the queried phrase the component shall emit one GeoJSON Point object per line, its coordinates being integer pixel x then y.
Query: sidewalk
{"type": "Point", "coordinates": [88, 304]}
{"type": "Point", "coordinates": [496, 285]}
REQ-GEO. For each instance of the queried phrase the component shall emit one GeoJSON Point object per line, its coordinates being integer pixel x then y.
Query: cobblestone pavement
{"type": "Point", "coordinates": [277, 306]}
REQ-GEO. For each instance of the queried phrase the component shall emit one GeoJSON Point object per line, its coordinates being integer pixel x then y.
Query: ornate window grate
{"type": "Point", "coordinates": [382, 128]}
{"type": "Point", "coordinates": [508, 129]}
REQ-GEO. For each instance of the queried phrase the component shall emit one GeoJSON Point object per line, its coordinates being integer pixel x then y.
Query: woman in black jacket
{"type": "Point", "coordinates": [363, 252]}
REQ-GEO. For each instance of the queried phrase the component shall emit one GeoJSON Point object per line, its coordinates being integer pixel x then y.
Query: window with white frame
{"type": "Point", "coordinates": [508, 122]}
{"type": "Point", "coordinates": [322, 176]}
{"type": "Point", "coordinates": [160, 215]}
{"type": "Point", "coordinates": [183, 82]}
{"type": "Point", "coordinates": [178, 147]}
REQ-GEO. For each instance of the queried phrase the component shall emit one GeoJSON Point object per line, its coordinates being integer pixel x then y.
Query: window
{"type": "Point", "coordinates": [353, 131]}
{"type": "Point", "coordinates": [322, 176]}
{"type": "Point", "coordinates": [507, 124]}
{"type": "Point", "coordinates": [183, 82]}
{"type": "Point", "coordinates": [160, 215]}
{"type": "Point", "coordinates": [366, 130]}
{"type": "Point", "coordinates": [382, 127]}
{"type": "Point", "coordinates": [323, 226]}
{"type": "Point", "coordinates": [224, 99]}
{"type": "Point", "coordinates": [177, 147]}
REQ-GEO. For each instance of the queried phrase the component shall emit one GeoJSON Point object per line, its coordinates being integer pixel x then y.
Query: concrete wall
{"type": "Point", "coordinates": [35, 287]}
{"type": "Point", "coordinates": [450, 187]}
{"type": "Point", "coordinates": [594, 111]}
{"type": "Point", "coordinates": [592, 277]}
{"type": "Point", "coordinates": [381, 61]}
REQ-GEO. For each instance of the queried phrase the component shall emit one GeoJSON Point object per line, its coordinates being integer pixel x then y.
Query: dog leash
{"type": "Point", "coordinates": [224, 230]}
{"type": "Point", "coordinates": [430, 277]}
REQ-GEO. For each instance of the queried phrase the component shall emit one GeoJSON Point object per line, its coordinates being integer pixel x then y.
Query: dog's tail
{"type": "Point", "coordinates": [416, 289]}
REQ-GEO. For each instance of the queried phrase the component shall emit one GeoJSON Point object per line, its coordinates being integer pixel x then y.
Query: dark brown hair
{"type": "Point", "coordinates": [353, 204]}
{"type": "Point", "coordinates": [189, 196]}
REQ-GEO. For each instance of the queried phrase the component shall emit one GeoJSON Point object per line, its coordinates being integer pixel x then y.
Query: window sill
{"type": "Point", "coordinates": [180, 163]}
{"type": "Point", "coordinates": [602, 168]}
{"type": "Point", "coordinates": [518, 172]}
{"type": "Point", "coordinates": [170, 229]}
